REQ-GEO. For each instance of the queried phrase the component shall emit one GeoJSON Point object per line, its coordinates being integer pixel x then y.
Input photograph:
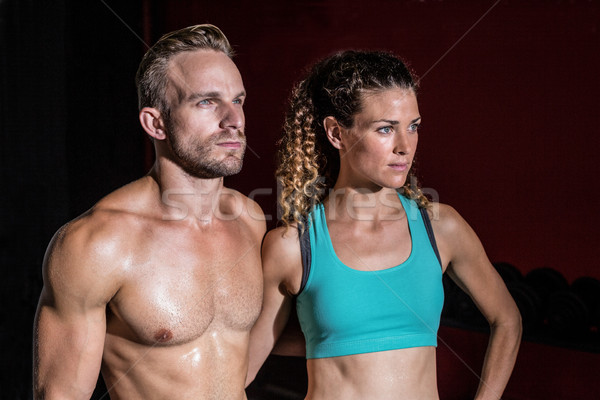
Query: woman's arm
{"type": "Point", "coordinates": [282, 273]}
{"type": "Point", "coordinates": [468, 265]}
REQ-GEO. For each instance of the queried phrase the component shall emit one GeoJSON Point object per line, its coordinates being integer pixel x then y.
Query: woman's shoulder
{"type": "Point", "coordinates": [282, 259]}
{"type": "Point", "coordinates": [282, 237]}
{"type": "Point", "coordinates": [453, 234]}
{"type": "Point", "coordinates": [444, 218]}
{"type": "Point", "coordinates": [448, 225]}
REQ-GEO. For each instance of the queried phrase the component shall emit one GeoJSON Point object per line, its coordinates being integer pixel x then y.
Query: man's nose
{"type": "Point", "coordinates": [233, 117]}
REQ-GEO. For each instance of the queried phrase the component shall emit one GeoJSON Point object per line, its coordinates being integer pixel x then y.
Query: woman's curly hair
{"type": "Point", "coordinates": [308, 163]}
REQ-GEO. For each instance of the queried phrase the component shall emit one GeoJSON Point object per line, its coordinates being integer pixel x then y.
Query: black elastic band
{"type": "Point", "coordinates": [429, 230]}
{"type": "Point", "coordinates": [304, 238]}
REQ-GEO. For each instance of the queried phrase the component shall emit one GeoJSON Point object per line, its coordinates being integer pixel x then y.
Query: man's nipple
{"type": "Point", "coordinates": [163, 336]}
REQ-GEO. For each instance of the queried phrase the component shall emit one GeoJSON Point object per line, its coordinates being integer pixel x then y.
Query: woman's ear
{"type": "Point", "coordinates": [333, 131]}
{"type": "Point", "coordinates": [152, 122]}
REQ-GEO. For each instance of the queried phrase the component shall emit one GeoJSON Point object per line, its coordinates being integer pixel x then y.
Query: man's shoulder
{"type": "Point", "coordinates": [84, 258]}
{"type": "Point", "coordinates": [248, 210]}
{"type": "Point", "coordinates": [96, 233]}
{"type": "Point", "coordinates": [102, 223]}
{"type": "Point", "coordinates": [102, 232]}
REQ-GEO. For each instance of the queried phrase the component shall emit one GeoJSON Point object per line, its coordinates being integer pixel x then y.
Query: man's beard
{"type": "Point", "coordinates": [196, 158]}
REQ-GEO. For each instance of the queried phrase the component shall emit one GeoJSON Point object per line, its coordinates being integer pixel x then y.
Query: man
{"type": "Point", "coordinates": [160, 282]}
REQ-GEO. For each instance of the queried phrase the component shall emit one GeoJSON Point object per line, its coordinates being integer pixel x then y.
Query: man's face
{"type": "Point", "coordinates": [205, 128]}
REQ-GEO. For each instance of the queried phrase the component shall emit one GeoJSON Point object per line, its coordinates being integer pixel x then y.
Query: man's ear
{"type": "Point", "coordinates": [333, 131]}
{"type": "Point", "coordinates": [152, 122]}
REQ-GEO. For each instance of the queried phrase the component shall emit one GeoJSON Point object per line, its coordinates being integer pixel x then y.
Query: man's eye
{"type": "Point", "coordinates": [204, 102]}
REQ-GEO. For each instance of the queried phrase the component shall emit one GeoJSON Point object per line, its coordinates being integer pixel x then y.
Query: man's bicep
{"type": "Point", "coordinates": [70, 324]}
{"type": "Point", "coordinates": [68, 349]}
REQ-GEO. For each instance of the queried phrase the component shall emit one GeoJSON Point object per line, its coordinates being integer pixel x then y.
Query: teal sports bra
{"type": "Point", "coordinates": [343, 311]}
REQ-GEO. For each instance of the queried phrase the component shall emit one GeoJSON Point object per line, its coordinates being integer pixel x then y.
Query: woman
{"type": "Point", "coordinates": [357, 252]}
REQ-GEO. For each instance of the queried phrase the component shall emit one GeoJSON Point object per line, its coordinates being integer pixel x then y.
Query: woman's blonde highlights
{"type": "Point", "coordinates": [308, 163]}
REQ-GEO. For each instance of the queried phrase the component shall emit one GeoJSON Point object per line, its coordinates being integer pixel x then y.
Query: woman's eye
{"type": "Point", "coordinates": [413, 127]}
{"type": "Point", "coordinates": [385, 129]}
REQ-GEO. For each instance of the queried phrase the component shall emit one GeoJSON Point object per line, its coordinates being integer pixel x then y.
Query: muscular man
{"type": "Point", "coordinates": [160, 282]}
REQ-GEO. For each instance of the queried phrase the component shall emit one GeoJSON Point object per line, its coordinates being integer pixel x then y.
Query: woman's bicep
{"type": "Point", "coordinates": [280, 274]}
{"type": "Point", "coordinates": [470, 268]}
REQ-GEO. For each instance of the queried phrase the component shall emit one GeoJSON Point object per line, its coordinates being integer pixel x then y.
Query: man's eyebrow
{"type": "Point", "coordinates": [207, 95]}
{"type": "Point", "coordinates": [201, 95]}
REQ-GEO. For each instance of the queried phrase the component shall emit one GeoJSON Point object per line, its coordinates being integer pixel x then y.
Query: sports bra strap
{"type": "Point", "coordinates": [304, 238]}
{"type": "Point", "coordinates": [429, 229]}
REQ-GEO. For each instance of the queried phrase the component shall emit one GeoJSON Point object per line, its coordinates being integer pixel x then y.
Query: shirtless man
{"type": "Point", "coordinates": [160, 282]}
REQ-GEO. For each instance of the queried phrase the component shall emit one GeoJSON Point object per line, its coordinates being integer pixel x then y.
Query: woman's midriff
{"type": "Point", "coordinates": [403, 374]}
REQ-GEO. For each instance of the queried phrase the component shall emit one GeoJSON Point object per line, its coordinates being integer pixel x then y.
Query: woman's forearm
{"type": "Point", "coordinates": [500, 359]}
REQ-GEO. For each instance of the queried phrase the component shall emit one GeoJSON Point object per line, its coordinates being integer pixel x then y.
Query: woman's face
{"type": "Point", "coordinates": [378, 150]}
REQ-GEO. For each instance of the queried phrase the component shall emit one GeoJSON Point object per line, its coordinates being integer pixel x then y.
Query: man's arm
{"type": "Point", "coordinates": [70, 322]}
{"type": "Point", "coordinates": [470, 268]}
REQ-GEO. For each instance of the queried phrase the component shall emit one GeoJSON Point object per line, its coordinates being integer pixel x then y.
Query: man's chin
{"type": "Point", "coordinates": [228, 167]}
{"type": "Point", "coordinates": [234, 162]}
{"type": "Point", "coordinates": [232, 171]}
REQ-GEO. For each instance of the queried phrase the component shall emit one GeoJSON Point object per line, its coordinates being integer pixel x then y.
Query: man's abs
{"type": "Point", "coordinates": [211, 367]}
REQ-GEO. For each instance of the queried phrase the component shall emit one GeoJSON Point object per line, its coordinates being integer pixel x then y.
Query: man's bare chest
{"type": "Point", "coordinates": [177, 289]}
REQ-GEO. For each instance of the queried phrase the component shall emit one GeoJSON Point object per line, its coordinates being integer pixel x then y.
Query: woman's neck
{"type": "Point", "coordinates": [360, 204]}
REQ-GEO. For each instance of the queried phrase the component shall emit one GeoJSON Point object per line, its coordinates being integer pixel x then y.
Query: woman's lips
{"type": "Point", "coordinates": [399, 166]}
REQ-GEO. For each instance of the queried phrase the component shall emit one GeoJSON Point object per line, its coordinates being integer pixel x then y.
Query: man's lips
{"type": "Point", "coordinates": [230, 144]}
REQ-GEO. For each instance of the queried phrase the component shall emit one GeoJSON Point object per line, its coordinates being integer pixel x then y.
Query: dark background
{"type": "Point", "coordinates": [509, 100]}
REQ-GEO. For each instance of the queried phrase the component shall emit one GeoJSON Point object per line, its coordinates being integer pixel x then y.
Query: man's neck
{"type": "Point", "coordinates": [183, 196]}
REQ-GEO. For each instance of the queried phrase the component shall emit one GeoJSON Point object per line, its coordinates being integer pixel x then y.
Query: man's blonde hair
{"type": "Point", "coordinates": [151, 77]}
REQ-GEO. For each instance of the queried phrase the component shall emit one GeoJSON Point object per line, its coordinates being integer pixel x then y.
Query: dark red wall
{"type": "Point", "coordinates": [511, 127]}
{"type": "Point", "coordinates": [509, 99]}
{"type": "Point", "coordinates": [542, 372]}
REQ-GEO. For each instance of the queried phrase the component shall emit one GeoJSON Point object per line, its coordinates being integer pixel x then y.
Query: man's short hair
{"type": "Point", "coordinates": [151, 77]}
